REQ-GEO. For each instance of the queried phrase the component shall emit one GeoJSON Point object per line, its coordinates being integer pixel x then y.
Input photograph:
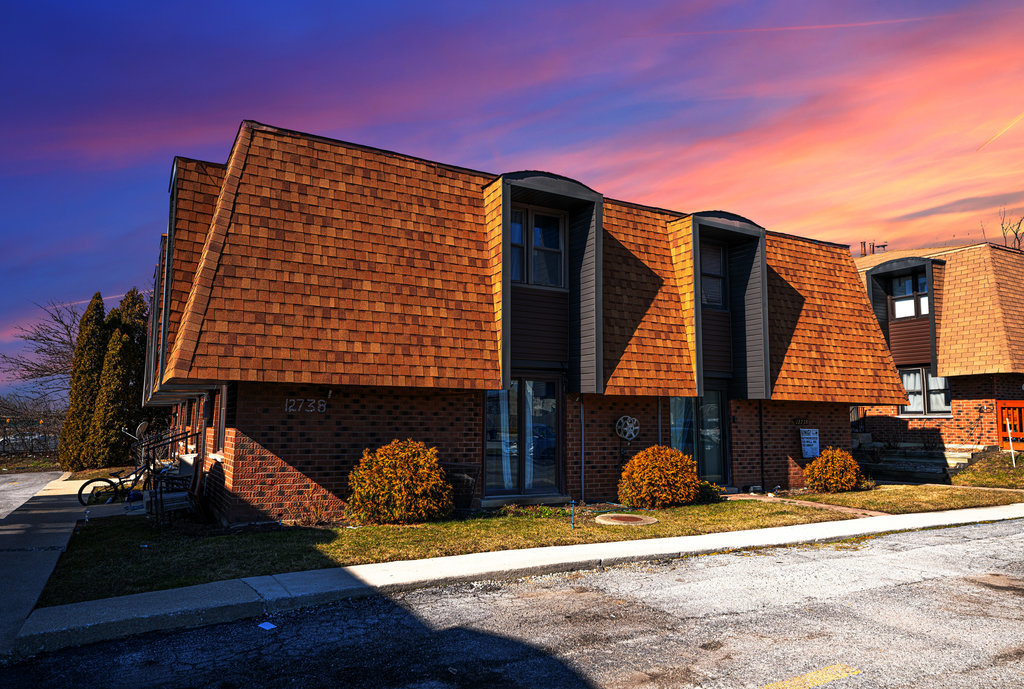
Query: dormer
{"type": "Point", "coordinates": [545, 235]}
{"type": "Point", "coordinates": [903, 297]}
{"type": "Point", "coordinates": [730, 288]}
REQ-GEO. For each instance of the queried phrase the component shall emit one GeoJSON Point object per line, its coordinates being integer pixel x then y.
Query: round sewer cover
{"type": "Point", "coordinates": [625, 519]}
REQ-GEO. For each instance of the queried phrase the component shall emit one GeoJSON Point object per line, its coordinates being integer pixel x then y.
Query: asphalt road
{"type": "Point", "coordinates": [936, 608]}
{"type": "Point", "coordinates": [15, 489]}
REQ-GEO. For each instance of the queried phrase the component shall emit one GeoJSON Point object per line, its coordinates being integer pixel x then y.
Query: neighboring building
{"type": "Point", "coordinates": [954, 320]}
{"type": "Point", "coordinates": [315, 298]}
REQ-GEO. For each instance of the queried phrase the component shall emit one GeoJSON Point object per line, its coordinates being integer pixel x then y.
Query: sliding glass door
{"type": "Point", "coordinates": [522, 437]}
{"type": "Point", "coordinates": [699, 428]}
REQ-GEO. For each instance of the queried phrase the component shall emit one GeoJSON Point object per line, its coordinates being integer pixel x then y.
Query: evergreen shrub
{"type": "Point", "coordinates": [708, 493]}
{"type": "Point", "coordinates": [86, 369]}
{"type": "Point", "coordinates": [659, 477]}
{"type": "Point", "coordinates": [116, 408]}
{"type": "Point", "coordinates": [834, 471]}
{"type": "Point", "coordinates": [399, 483]}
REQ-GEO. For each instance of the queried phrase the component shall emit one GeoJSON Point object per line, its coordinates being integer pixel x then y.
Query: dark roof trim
{"type": "Point", "coordinates": [727, 222]}
{"type": "Point", "coordinates": [898, 265]}
{"type": "Point", "coordinates": [552, 184]}
{"type": "Point", "coordinates": [725, 219]}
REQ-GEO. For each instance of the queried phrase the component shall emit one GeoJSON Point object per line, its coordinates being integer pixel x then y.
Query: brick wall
{"type": "Point", "coordinates": [972, 422]}
{"type": "Point", "coordinates": [278, 461]}
{"type": "Point", "coordinates": [281, 463]}
{"type": "Point", "coordinates": [783, 461]}
{"type": "Point", "coordinates": [602, 445]}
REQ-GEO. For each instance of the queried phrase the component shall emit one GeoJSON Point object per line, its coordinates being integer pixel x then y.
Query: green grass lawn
{"type": "Point", "coordinates": [904, 499]}
{"type": "Point", "coordinates": [993, 472]}
{"type": "Point", "coordinates": [116, 556]}
{"type": "Point", "coordinates": [28, 463]}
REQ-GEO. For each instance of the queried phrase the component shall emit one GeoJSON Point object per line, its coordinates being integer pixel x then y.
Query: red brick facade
{"type": "Point", "coordinates": [277, 459]}
{"type": "Point", "coordinates": [603, 448]}
{"type": "Point", "coordinates": [782, 421]}
{"type": "Point", "coordinates": [972, 421]}
{"type": "Point", "coordinates": [279, 463]}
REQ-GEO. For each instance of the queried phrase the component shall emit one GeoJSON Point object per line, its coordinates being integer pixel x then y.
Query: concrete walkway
{"type": "Point", "coordinates": [32, 537]}
{"type": "Point", "coordinates": [48, 629]}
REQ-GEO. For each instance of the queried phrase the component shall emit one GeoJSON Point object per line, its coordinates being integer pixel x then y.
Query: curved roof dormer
{"type": "Point", "coordinates": [539, 188]}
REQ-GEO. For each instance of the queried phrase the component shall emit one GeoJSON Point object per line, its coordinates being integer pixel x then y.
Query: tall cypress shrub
{"type": "Point", "coordinates": [107, 445]}
{"type": "Point", "coordinates": [131, 318]}
{"type": "Point", "coordinates": [86, 369]}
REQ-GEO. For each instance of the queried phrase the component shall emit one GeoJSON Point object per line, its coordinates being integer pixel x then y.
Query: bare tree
{"type": "Point", "coordinates": [28, 426]}
{"type": "Point", "coordinates": [1013, 230]}
{"type": "Point", "coordinates": [46, 366]}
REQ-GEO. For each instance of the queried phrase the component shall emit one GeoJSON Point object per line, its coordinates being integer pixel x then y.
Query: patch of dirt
{"type": "Point", "coordinates": [656, 678]}
{"type": "Point", "coordinates": [1001, 582]}
{"type": "Point", "coordinates": [1010, 656]}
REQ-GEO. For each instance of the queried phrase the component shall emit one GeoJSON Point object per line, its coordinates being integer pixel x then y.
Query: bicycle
{"type": "Point", "coordinates": [117, 488]}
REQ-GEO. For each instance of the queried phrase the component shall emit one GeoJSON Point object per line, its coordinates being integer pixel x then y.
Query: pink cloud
{"type": "Point", "coordinates": [867, 144]}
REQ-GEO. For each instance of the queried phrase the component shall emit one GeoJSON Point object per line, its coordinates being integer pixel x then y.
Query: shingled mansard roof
{"type": "Point", "coordinates": [310, 260]}
{"type": "Point", "coordinates": [979, 311]}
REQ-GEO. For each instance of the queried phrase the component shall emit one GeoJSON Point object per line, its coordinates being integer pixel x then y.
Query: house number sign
{"type": "Point", "coordinates": [308, 405]}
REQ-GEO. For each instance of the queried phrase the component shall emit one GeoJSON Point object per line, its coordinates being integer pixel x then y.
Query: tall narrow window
{"type": "Point", "coordinates": [517, 258]}
{"type": "Point", "coordinates": [536, 247]}
{"type": "Point", "coordinates": [547, 250]}
{"type": "Point", "coordinates": [521, 437]}
{"type": "Point", "coordinates": [682, 424]}
{"type": "Point", "coordinates": [712, 275]}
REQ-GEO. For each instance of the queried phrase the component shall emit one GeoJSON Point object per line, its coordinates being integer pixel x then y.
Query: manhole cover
{"type": "Point", "coordinates": [625, 519]}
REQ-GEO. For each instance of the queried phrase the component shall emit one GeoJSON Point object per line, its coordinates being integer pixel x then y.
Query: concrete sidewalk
{"type": "Point", "coordinates": [32, 537]}
{"type": "Point", "coordinates": [57, 627]}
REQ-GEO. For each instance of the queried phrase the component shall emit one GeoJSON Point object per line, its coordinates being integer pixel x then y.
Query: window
{"type": "Point", "coordinates": [682, 424]}
{"type": "Point", "coordinates": [926, 393]}
{"type": "Point", "coordinates": [909, 296]}
{"type": "Point", "coordinates": [712, 275]}
{"type": "Point", "coordinates": [521, 437]}
{"type": "Point", "coordinates": [537, 256]}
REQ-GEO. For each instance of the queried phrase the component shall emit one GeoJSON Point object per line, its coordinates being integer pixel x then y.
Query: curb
{"type": "Point", "coordinates": [51, 629]}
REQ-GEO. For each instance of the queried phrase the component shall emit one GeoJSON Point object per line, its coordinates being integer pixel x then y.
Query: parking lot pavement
{"type": "Point", "coordinates": [15, 489]}
{"type": "Point", "coordinates": [933, 608]}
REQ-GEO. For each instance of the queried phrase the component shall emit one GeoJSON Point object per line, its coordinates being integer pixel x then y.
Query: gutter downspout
{"type": "Point", "coordinates": [659, 420]}
{"type": "Point", "coordinates": [760, 422]}
{"type": "Point", "coordinates": [583, 454]}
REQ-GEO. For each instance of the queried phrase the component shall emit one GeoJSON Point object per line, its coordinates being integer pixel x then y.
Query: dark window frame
{"type": "Point", "coordinates": [724, 303]}
{"type": "Point", "coordinates": [520, 377]}
{"type": "Point", "coordinates": [915, 276]}
{"type": "Point", "coordinates": [926, 410]}
{"type": "Point", "coordinates": [527, 247]}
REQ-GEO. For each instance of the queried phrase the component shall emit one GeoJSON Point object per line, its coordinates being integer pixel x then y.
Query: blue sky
{"type": "Point", "coordinates": [891, 122]}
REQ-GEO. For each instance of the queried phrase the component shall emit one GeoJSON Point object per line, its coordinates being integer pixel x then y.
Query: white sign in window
{"type": "Point", "coordinates": [809, 442]}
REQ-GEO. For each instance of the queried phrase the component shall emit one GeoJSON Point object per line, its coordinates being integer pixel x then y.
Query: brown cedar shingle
{"type": "Point", "coordinates": [824, 342]}
{"type": "Point", "coordinates": [326, 262]}
{"type": "Point", "coordinates": [980, 316]}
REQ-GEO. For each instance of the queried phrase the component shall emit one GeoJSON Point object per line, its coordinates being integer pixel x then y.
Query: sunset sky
{"type": "Point", "coordinates": [898, 122]}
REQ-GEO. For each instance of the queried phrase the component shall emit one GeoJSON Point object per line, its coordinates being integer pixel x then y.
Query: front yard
{"type": "Point", "coordinates": [903, 499]}
{"type": "Point", "coordinates": [116, 556]}
{"type": "Point", "coordinates": [995, 472]}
